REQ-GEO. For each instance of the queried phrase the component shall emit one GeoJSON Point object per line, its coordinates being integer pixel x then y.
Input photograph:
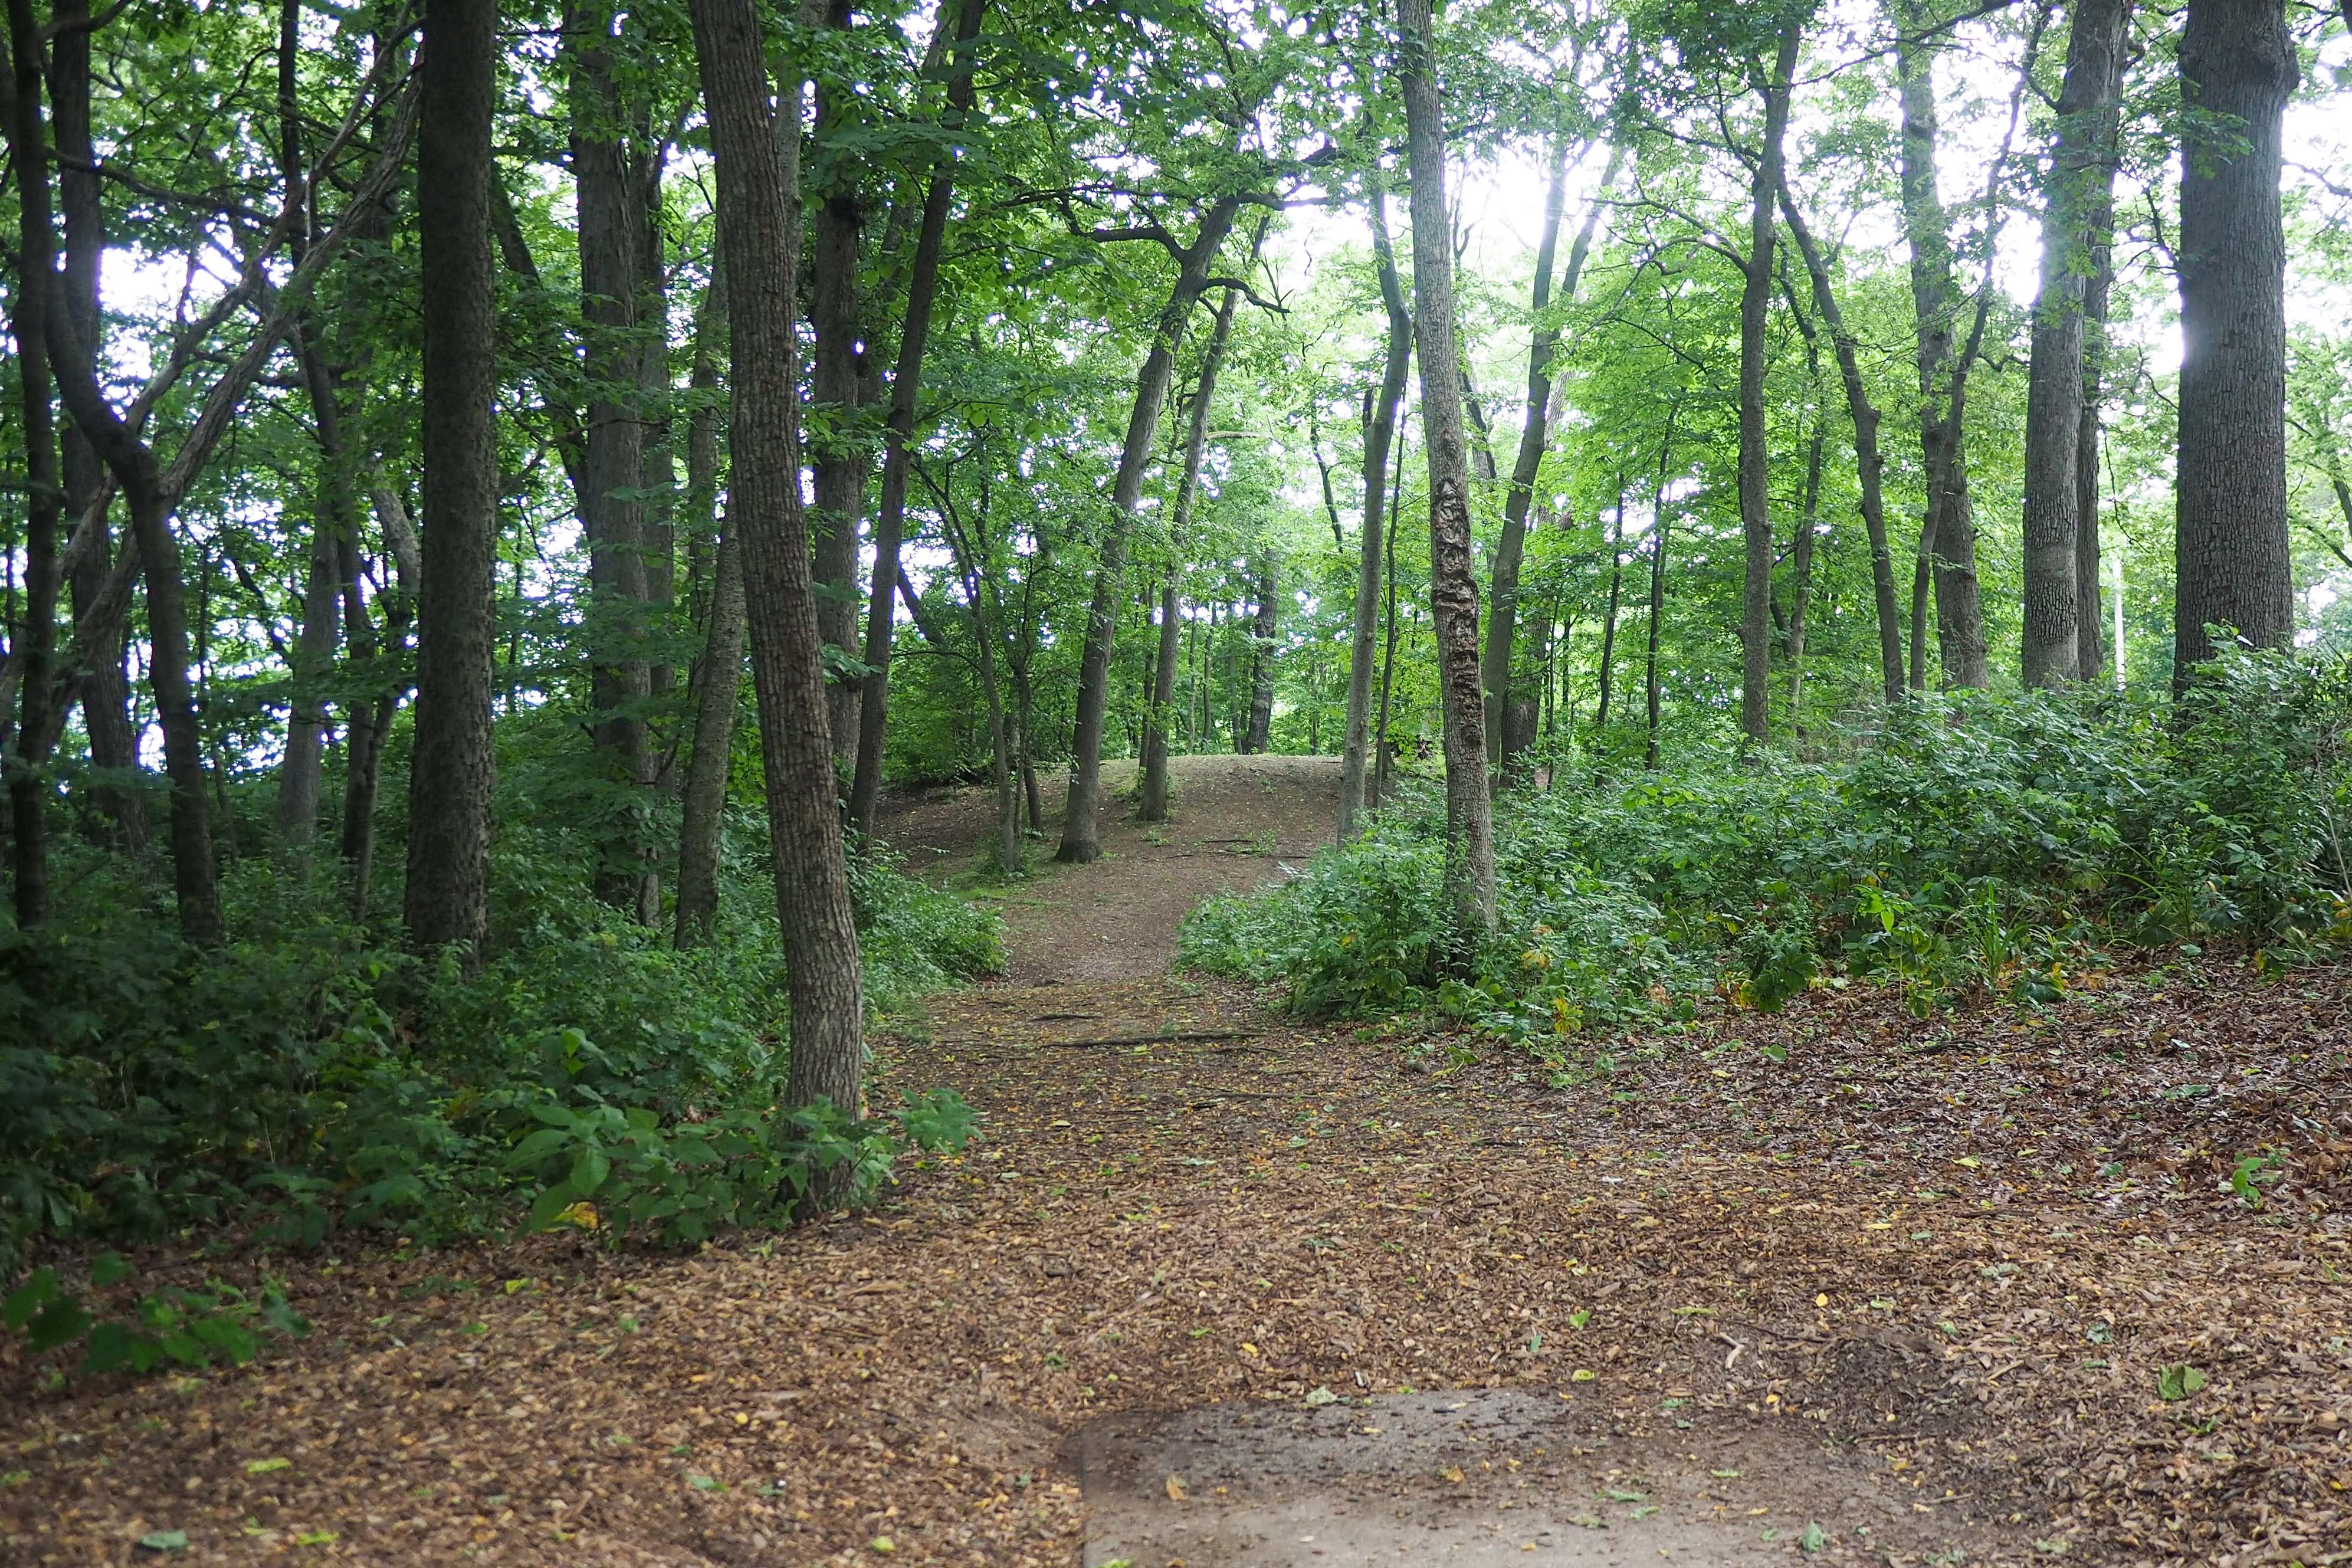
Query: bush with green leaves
{"type": "Point", "coordinates": [313, 1075]}
{"type": "Point", "coordinates": [1973, 839]}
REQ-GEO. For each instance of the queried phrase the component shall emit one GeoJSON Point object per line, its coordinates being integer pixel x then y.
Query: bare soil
{"type": "Point", "coordinates": [1918, 1289]}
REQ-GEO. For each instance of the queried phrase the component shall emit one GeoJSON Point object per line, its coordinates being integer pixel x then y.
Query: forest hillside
{"type": "Point", "coordinates": [816, 781]}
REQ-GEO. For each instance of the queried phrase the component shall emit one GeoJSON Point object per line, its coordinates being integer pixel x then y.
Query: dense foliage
{"type": "Point", "coordinates": [2006, 843]}
{"type": "Point", "coordinates": [313, 1074]}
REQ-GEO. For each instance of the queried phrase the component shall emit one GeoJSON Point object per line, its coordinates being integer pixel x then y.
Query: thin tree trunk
{"type": "Point", "coordinates": [610, 164]}
{"type": "Point", "coordinates": [1454, 587]}
{"type": "Point", "coordinates": [1154, 806]}
{"type": "Point", "coordinates": [1154, 803]}
{"type": "Point", "coordinates": [1870, 464]}
{"type": "Point", "coordinates": [300, 772]}
{"type": "Point", "coordinates": [758, 175]}
{"type": "Point", "coordinates": [37, 627]}
{"type": "Point", "coordinates": [906, 384]}
{"type": "Point", "coordinates": [1755, 486]}
{"type": "Point", "coordinates": [2233, 565]}
{"type": "Point", "coordinates": [1502, 625]}
{"type": "Point", "coordinates": [838, 455]}
{"type": "Point", "coordinates": [717, 682]}
{"type": "Point", "coordinates": [1658, 585]}
{"type": "Point", "coordinates": [2091, 655]}
{"type": "Point", "coordinates": [1609, 620]}
{"type": "Point", "coordinates": [370, 722]}
{"type": "Point", "coordinates": [450, 777]}
{"type": "Point", "coordinates": [1081, 834]}
{"type": "Point", "coordinates": [1379, 429]}
{"type": "Point", "coordinates": [1384, 754]}
{"type": "Point", "coordinates": [105, 678]}
{"type": "Point", "coordinates": [1800, 577]}
{"type": "Point", "coordinates": [2080, 167]}
{"type": "Point", "coordinates": [1262, 640]}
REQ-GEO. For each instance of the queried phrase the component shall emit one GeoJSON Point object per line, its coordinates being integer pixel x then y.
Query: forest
{"type": "Point", "coordinates": [832, 691]}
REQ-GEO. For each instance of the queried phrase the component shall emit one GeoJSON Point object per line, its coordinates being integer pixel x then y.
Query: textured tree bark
{"type": "Point", "coordinates": [450, 775]}
{"type": "Point", "coordinates": [2082, 167]}
{"type": "Point", "coordinates": [36, 628]}
{"type": "Point", "coordinates": [1154, 803]}
{"type": "Point", "coordinates": [2231, 564]}
{"type": "Point", "coordinates": [839, 456]}
{"type": "Point", "coordinates": [1379, 429]}
{"type": "Point", "coordinates": [1755, 487]}
{"type": "Point", "coordinates": [1263, 631]}
{"type": "Point", "coordinates": [611, 165]}
{"type": "Point", "coordinates": [718, 680]}
{"type": "Point", "coordinates": [758, 174]}
{"type": "Point", "coordinates": [1081, 832]}
{"type": "Point", "coordinates": [1946, 558]}
{"type": "Point", "coordinates": [1869, 463]}
{"type": "Point", "coordinates": [906, 384]}
{"type": "Point", "coordinates": [1154, 806]}
{"type": "Point", "coordinates": [1454, 587]}
{"type": "Point", "coordinates": [1502, 625]}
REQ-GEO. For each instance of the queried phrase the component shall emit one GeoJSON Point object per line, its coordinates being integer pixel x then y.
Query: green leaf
{"type": "Point", "coordinates": [1814, 1538]}
{"type": "Point", "coordinates": [39, 1288]}
{"type": "Point", "coordinates": [2178, 1383]}
{"type": "Point", "coordinates": [110, 1268]}
{"type": "Point", "coordinates": [266, 1467]}
{"type": "Point", "coordinates": [164, 1540]}
{"type": "Point", "coordinates": [60, 1322]}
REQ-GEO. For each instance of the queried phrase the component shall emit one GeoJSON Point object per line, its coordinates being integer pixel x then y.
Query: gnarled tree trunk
{"type": "Point", "coordinates": [1454, 587]}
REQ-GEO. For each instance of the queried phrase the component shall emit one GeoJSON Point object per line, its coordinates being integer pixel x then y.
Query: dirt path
{"type": "Point", "coordinates": [1215, 1284]}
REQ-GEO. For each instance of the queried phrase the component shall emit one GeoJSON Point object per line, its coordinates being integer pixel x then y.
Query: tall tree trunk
{"type": "Point", "coordinates": [2082, 167]}
{"type": "Point", "coordinates": [1657, 586]}
{"type": "Point", "coordinates": [450, 775]}
{"type": "Point", "coordinates": [1379, 429]}
{"type": "Point", "coordinates": [2233, 567]}
{"type": "Point", "coordinates": [1502, 623]}
{"type": "Point", "coordinates": [906, 384]}
{"type": "Point", "coordinates": [1454, 587]}
{"type": "Point", "coordinates": [105, 678]}
{"type": "Point", "coordinates": [758, 173]}
{"type": "Point", "coordinates": [838, 454]}
{"type": "Point", "coordinates": [1755, 485]}
{"type": "Point", "coordinates": [1384, 749]}
{"type": "Point", "coordinates": [1609, 620]}
{"type": "Point", "coordinates": [1262, 640]}
{"type": "Point", "coordinates": [1946, 558]}
{"type": "Point", "coordinates": [1869, 464]}
{"type": "Point", "coordinates": [1154, 806]}
{"type": "Point", "coordinates": [612, 162]}
{"type": "Point", "coordinates": [1187, 488]}
{"type": "Point", "coordinates": [36, 628]}
{"type": "Point", "coordinates": [300, 774]}
{"type": "Point", "coordinates": [1800, 575]}
{"type": "Point", "coordinates": [718, 680]}
{"type": "Point", "coordinates": [2091, 655]}
{"type": "Point", "coordinates": [1081, 832]}
{"type": "Point", "coordinates": [371, 718]}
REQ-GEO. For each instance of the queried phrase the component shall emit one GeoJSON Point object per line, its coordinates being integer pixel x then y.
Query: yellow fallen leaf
{"type": "Point", "coordinates": [1582, 1375]}
{"type": "Point", "coordinates": [1175, 1488]}
{"type": "Point", "coordinates": [1452, 1473]}
{"type": "Point", "coordinates": [581, 1214]}
{"type": "Point", "coordinates": [882, 1543]}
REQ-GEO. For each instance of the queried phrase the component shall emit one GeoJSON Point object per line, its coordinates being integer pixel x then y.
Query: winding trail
{"type": "Point", "coordinates": [1223, 1290]}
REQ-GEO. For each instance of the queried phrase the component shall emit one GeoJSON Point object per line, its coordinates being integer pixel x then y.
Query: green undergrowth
{"type": "Point", "coordinates": [313, 1077]}
{"type": "Point", "coordinates": [1978, 841]}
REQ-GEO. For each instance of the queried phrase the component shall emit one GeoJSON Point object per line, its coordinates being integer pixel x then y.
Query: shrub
{"type": "Point", "coordinates": [1971, 840]}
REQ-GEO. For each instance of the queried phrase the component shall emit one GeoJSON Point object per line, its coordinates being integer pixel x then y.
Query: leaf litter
{"type": "Point", "coordinates": [2001, 1255]}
